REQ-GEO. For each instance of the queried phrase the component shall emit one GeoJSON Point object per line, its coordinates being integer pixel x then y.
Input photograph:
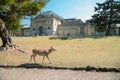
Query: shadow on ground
{"type": "Point", "coordinates": [39, 66]}
{"type": "Point", "coordinates": [70, 38]}
{"type": "Point", "coordinates": [30, 65]}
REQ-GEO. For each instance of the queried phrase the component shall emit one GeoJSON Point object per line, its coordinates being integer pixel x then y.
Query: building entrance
{"type": "Point", "coordinates": [41, 31]}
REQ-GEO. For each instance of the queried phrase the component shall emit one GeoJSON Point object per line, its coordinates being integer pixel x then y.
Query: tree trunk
{"type": "Point", "coordinates": [5, 37]}
{"type": "Point", "coordinates": [108, 30]}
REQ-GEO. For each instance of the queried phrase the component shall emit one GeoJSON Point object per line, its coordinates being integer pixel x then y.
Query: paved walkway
{"type": "Point", "coordinates": [47, 74]}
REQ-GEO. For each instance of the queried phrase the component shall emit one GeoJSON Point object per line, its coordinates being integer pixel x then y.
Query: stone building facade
{"type": "Point", "coordinates": [75, 27]}
{"type": "Point", "coordinates": [50, 24]}
{"type": "Point", "coordinates": [45, 24]}
{"type": "Point", "coordinates": [26, 31]}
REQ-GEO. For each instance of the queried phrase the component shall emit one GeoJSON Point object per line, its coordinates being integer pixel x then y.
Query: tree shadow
{"type": "Point", "coordinates": [82, 37]}
{"type": "Point", "coordinates": [60, 38]}
{"type": "Point", "coordinates": [30, 65]}
{"type": "Point", "coordinates": [2, 48]}
{"type": "Point", "coordinates": [24, 65]}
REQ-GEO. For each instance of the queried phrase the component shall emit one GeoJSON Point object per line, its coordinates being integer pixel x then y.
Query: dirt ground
{"type": "Point", "coordinates": [51, 74]}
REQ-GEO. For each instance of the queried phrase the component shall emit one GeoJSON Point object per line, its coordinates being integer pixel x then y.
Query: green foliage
{"type": "Point", "coordinates": [107, 15]}
{"type": "Point", "coordinates": [6, 2]}
{"type": "Point", "coordinates": [12, 11]}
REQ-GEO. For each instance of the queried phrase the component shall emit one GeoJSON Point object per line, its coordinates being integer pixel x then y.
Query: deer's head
{"type": "Point", "coordinates": [51, 49]}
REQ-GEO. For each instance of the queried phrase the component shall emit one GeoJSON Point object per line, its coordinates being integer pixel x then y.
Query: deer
{"type": "Point", "coordinates": [41, 52]}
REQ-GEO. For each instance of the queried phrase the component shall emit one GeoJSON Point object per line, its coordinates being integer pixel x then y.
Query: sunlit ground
{"type": "Point", "coordinates": [78, 52]}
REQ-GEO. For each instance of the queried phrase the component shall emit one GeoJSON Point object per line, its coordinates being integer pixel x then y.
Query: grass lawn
{"type": "Point", "coordinates": [78, 52]}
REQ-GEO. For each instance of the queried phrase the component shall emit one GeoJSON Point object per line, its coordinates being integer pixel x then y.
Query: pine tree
{"type": "Point", "coordinates": [12, 11]}
{"type": "Point", "coordinates": [107, 15]}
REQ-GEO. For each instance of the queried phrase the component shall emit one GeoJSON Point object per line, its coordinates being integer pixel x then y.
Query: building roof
{"type": "Point", "coordinates": [48, 14]}
{"type": "Point", "coordinates": [72, 21]}
{"type": "Point", "coordinates": [69, 19]}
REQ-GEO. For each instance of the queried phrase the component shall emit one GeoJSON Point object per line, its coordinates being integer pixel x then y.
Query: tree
{"type": "Point", "coordinates": [12, 11]}
{"type": "Point", "coordinates": [107, 14]}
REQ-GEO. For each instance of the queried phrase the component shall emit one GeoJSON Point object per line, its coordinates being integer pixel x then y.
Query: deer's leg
{"type": "Point", "coordinates": [31, 58]}
{"type": "Point", "coordinates": [34, 58]}
{"type": "Point", "coordinates": [48, 59]}
{"type": "Point", "coordinates": [43, 59]}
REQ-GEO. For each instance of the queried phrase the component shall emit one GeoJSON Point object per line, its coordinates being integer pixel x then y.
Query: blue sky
{"type": "Point", "coordinates": [79, 9]}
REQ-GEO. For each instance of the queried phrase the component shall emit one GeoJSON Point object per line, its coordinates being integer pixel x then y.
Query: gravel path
{"type": "Point", "coordinates": [47, 74]}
